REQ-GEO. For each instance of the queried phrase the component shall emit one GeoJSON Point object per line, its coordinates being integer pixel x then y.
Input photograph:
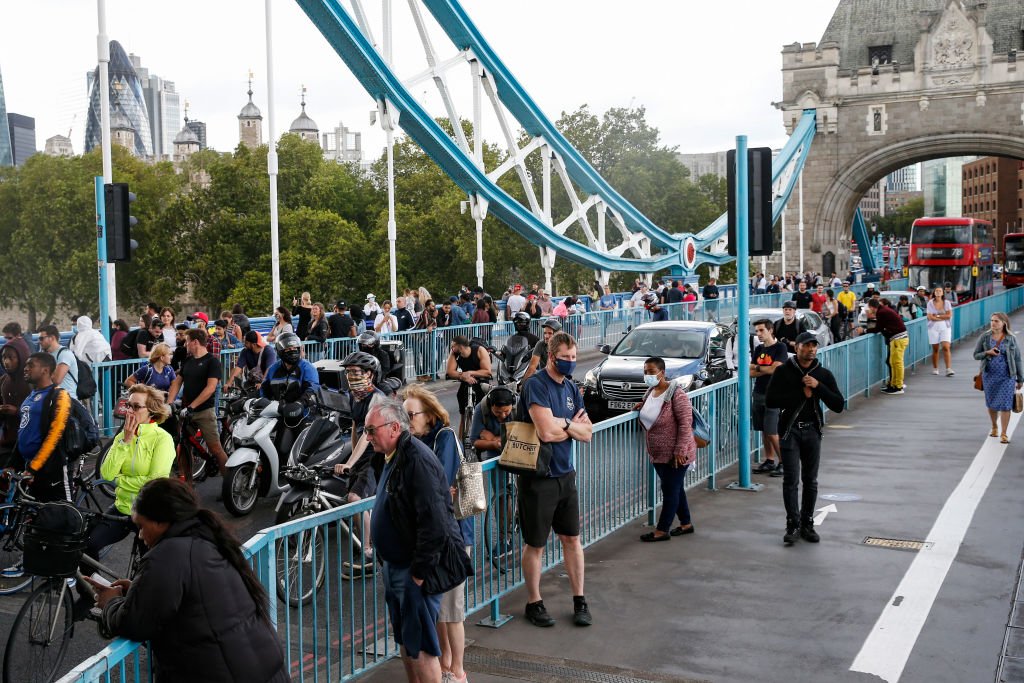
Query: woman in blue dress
{"type": "Point", "coordinates": [1001, 372]}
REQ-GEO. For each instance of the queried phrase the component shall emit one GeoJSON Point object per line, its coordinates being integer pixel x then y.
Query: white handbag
{"type": "Point", "coordinates": [470, 497]}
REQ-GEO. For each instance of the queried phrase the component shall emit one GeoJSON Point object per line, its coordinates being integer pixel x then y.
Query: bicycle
{"type": "Point", "coordinates": [45, 624]}
{"type": "Point", "coordinates": [501, 525]}
{"type": "Point", "coordinates": [193, 461]}
{"type": "Point", "coordinates": [12, 517]}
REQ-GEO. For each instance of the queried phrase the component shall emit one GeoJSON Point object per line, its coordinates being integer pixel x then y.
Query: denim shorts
{"type": "Point", "coordinates": [413, 612]}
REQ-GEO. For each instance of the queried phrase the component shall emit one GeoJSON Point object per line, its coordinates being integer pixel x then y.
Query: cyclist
{"type": "Point", "coordinates": [45, 415]}
{"type": "Point", "coordinates": [540, 350]}
{"type": "Point", "coordinates": [369, 342]}
{"type": "Point", "coordinates": [469, 363]}
{"type": "Point", "coordinates": [140, 453]}
{"type": "Point", "coordinates": [490, 414]}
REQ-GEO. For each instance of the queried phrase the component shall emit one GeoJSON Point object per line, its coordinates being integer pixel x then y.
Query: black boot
{"type": "Point", "coordinates": [792, 532]}
{"type": "Point", "coordinates": [807, 531]}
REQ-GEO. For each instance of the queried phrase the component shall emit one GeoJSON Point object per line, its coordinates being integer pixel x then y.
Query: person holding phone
{"type": "Point", "coordinates": [1001, 372]}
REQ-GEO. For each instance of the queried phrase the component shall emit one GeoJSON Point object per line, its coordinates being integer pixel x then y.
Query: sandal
{"type": "Point", "coordinates": [650, 537]}
{"type": "Point", "coordinates": [994, 432]}
{"type": "Point", "coordinates": [1004, 439]}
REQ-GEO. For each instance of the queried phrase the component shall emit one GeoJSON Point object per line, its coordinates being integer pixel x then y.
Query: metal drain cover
{"type": "Point", "coordinates": [538, 669]}
{"type": "Point", "coordinates": [897, 543]}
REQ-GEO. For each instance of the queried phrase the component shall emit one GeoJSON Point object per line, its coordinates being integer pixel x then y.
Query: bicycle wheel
{"type": "Point", "coordinates": [301, 564]}
{"type": "Point", "coordinates": [499, 531]}
{"type": "Point", "coordinates": [40, 635]}
{"type": "Point", "coordinates": [465, 427]}
{"type": "Point", "coordinates": [196, 463]}
{"type": "Point", "coordinates": [12, 576]}
{"type": "Point", "coordinates": [106, 487]}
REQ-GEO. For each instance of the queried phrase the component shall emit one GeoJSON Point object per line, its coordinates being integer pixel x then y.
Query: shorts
{"type": "Point", "coordinates": [453, 603]}
{"type": "Point", "coordinates": [413, 612]}
{"type": "Point", "coordinates": [939, 334]}
{"type": "Point", "coordinates": [764, 419]}
{"type": "Point", "coordinates": [548, 504]}
{"type": "Point", "coordinates": [206, 421]}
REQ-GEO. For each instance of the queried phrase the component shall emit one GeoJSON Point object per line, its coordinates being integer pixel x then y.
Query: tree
{"type": "Point", "coordinates": [900, 221]}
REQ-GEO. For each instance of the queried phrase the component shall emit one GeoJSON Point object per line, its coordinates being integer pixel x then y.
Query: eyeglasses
{"type": "Point", "coordinates": [412, 415]}
{"type": "Point", "coordinates": [135, 406]}
{"type": "Point", "coordinates": [370, 431]}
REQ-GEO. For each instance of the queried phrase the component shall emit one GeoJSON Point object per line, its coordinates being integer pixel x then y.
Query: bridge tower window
{"type": "Point", "coordinates": [879, 54]}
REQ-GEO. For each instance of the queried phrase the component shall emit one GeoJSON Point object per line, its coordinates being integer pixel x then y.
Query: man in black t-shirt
{"type": "Point", "coordinates": [764, 358]}
{"type": "Point", "coordinates": [200, 374]}
{"type": "Point", "coordinates": [789, 327]}
{"type": "Point", "coordinates": [148, 338]}
{"type": "Point", "coordinates": [341, 323]}
{"type": "Point", "coordinates": [802, 298]}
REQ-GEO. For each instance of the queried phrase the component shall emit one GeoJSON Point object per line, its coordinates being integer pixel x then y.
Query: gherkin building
{"type": "Point", "coordinates": [6, 152]}
{"type": "Point", "coordinates": [126, 95]}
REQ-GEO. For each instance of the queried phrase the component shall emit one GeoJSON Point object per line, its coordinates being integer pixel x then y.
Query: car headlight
{"type": "Point", "coordinates": [684, 381]}
{"type": "Point", "coordinates": [590, 379]}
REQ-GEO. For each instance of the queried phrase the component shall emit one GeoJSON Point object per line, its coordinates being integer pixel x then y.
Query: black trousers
{"type": "Point", "coordinates": [801, 452]}
{"type": "Point", "coordinates": [108, 532]}
{"type": "Point", "coordinates": [463, 395]}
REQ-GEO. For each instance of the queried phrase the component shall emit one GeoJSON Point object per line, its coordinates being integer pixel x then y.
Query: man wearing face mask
{"type": "Point", "coordinates": [553, 403]}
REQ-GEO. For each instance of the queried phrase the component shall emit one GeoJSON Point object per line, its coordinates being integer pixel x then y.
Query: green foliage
{"type": "Point", "coordinates": [899, 222]}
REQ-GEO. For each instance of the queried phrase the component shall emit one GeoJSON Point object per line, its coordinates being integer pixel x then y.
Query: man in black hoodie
{"type": "Point", "coordinates": [796, 387]}
{"type": "Point", "coordinates": [14, 389]}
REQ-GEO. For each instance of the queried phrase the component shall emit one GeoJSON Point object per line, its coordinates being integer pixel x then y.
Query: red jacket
{"type": "Point", "coordinates": [671, 434]}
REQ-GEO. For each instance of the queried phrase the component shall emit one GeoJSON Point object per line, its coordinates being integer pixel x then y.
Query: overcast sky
{"type": "Point", "coordinates": [704, 71]}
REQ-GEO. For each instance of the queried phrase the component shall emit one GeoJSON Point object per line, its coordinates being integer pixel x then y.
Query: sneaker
{"type": "Point", "coordinates": [537, 615]}
{"type": "Point", "coordinates": [935, 371]}
{"type": "Point", "coordinates": [16, 571]}
{"type": "Point", "coordinates": [792, 533]}
{"type": "Point", "coordinates": [765, 467]}
{"type": "Point", "coordinates": [778, 471]}
{"type": "Point", "coordinates": [950, 372]}
{"type": "Point", "coordinates": [580, 613]}
{"type": "Point", "coordinates": [808, 533]}
{"type": "Point", "coordinates": [892, 391]}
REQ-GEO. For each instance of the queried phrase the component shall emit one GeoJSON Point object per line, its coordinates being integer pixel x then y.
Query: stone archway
{"type": "Point", "coordinates": [839, 199]}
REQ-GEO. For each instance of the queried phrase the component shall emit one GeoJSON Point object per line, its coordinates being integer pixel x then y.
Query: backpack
{"type": "Point", "coordinates": [85, 386]}
{"type": "Point", "coordinates": [843, 312]}
{"type": "Point", "coordinates": [129, 345]}
{"type": "Point", "coordinates": [81, 434]}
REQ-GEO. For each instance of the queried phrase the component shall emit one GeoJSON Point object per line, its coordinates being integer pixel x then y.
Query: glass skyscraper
{"type": "Point", "coordinates": [6, 154]}
{"type": "Point", "coordinates": [125, 91]}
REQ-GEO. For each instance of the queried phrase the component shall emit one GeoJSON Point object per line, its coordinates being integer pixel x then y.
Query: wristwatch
{"type": "Point", "coordinates": [568, 423]}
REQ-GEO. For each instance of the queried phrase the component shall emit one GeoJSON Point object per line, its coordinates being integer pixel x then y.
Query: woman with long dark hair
{"type": "Point", "coordinates": [195, 598]}
{"type": "Point", "coordinates": [282, 324]}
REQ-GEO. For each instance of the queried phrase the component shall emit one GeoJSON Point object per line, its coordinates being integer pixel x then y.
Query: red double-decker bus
{"type": "Point", "coordinates": [1013, 259]}
{"type": "Point", "coordinates": [954, 252]}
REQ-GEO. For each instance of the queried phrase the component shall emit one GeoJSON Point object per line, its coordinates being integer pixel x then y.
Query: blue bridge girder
{"type": "Point", "coordinates": [343, 33]}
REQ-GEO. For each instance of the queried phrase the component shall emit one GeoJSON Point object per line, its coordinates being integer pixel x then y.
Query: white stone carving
{"type": "Point", "coordinates": [923, 104]}
{"type": "Point", "coordinates": [953, 41]}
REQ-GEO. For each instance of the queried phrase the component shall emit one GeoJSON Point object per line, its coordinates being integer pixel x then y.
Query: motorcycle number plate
{"type": "Point", "coordinates": [620, 405]}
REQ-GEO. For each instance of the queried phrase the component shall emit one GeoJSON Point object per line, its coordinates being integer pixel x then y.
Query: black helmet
{"type": "Point", "coordinates": [651, 300]}
{"type": "Point", "coordinates": [521, 321]}
{"type": "Point", "coordinates": [367, 340]}
{"type": "Point", "coordinates": [552, 324]}
{"type": "Point", "coordinates": [363, 361]}
{"type": "Point", "coordinates": [501, 396]}
{"type": "Point", "coordinates": [289, 348]}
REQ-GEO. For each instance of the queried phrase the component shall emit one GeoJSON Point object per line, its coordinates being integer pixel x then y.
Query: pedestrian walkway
{"type": "Point", "coordinates": [731, 603]}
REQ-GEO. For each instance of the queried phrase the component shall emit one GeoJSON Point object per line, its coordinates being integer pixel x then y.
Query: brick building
{"type": "Point", "coordinates": [993, 190]}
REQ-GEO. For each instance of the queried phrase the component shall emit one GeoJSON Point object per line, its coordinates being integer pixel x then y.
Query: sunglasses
{"type": "Point", "coordinates": [135, 406]}
{"type": "Point", "coordinates": [370, 431]}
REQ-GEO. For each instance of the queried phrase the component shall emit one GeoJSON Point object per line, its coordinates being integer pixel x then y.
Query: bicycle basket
{"type": "Point", "coordinates": [55, 540]}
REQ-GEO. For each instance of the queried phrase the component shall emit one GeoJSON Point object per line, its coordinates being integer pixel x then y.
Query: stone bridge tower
{"type": "Point", "coordinates": [895, 82]}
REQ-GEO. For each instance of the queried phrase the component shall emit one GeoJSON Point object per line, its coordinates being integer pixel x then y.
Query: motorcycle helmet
{"type": "Point", "coordinates": [521, 321]}
{"type": "Point", "coordinates": [651, 300]}
{"type": "Point", "coordinates": [552, 324]}
{"type": "Point", "coordinates": [365, 362]}
{"type": "Point", "coordinates": [367, 342]}
{"type": "Point", "coordinates": [289, 348]}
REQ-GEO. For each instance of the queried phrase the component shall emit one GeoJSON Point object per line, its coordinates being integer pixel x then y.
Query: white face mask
{"type": "Point", "coordinates": [651, 380]}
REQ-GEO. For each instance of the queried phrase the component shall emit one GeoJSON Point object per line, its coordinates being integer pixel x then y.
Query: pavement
{"type": "Point", "coordinates": [731, 603]}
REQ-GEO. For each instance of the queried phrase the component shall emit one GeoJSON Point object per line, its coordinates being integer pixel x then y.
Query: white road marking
{"type": "Point", "coordinates": [887, 648]}
{"type": "Point", "coordinates": [823, 513]}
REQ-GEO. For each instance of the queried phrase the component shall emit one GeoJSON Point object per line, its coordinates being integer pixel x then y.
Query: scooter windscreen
{"type": "Point", "coordinates": [318, 442]}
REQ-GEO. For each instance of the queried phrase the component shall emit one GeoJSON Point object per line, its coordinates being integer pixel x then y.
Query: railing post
{"type": "Point", "coordinates": [712, 448]}
{"type": "Point", "coordinates": [652, 495]}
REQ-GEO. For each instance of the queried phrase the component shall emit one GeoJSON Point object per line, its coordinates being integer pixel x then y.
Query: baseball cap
{"type": "Point", "coordinates": [341, 304]}
{"type": "Point", "coordinates": [806, 338]}
{"type": "Point", "coordinates": [922, 288]}
{"type": "Point", "coordinates": [789, 304]}
{"type": "Point", "coordinates": [517, 288]}
{"type": "Point", "coordinates": [199, 315]}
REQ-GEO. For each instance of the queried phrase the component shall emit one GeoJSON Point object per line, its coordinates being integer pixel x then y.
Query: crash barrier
{"type": "Point", "coordinates": [426, 352]}
{"type": "Point", "coordinates": [327, 599]}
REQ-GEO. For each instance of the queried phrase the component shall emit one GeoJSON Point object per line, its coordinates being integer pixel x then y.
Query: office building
{"type": "Point", "coordinates": [6, 157]}
{"type": "Point", "coordinates": [941, 182]}
{"type": "Point", "coordinates": [59, 146]}
{"type": "Point", "coordinates": [992, 189]}
{"type": "Point", "coordinates": [199, 128]}
{"type": "Point", "coordinates": [163, 103]}
{"type": "Point", "coordinates": [872, 204]}
{"type": "Point", "coordinates": [23, 137]}
{"type": "Point", "coordinates": [709, 163]}
{"type": "Point", "coordinates": [903, 180]}
{"type": "Point", "coordinates": [126, 93]}
{"type": "Point", "coordinates": [342, 145]}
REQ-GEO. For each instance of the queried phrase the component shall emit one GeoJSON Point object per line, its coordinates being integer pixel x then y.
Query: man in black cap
{"type": "Point", "coordinates": [789, 326]}
{"type": "Point", "coordinates": [341, 322]}
{"type": "Point", "coordinates": [796, 388]}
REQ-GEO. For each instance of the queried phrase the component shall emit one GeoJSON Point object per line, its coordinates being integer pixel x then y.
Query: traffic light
{"type": "Point", "coordinates": [118, 200]}
{"type": "Point", "coordinates": [759, 201]}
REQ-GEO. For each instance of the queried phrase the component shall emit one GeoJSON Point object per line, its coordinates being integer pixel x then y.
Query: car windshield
{"type": "Point", "coordinates": [941, 234]}
{"type": "Point", "coordinates": [662, 343]}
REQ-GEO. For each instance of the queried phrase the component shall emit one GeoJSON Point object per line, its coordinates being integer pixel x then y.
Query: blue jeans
{"type": "Point", "coordinates": [673, 495]}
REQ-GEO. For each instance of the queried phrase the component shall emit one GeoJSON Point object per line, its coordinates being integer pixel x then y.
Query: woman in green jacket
{"type": "Point", "coordinates": [141, 452]}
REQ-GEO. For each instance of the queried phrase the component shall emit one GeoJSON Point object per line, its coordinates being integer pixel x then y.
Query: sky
{"type": "Point", "coordinates": [705, 72]}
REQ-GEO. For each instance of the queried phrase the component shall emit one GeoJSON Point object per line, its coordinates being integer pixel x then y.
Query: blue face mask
{"type": "Point", "coordinates": [651, 380]}
{"type": "Point", "coordinates": [565, 367]}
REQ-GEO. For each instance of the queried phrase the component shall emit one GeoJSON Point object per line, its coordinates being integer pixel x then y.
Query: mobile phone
{"type": "Point", "coordinates": [100, 580]}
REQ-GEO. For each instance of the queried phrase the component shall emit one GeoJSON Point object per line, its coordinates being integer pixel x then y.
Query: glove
{"type": "Point", "coordinates": [184, 412]}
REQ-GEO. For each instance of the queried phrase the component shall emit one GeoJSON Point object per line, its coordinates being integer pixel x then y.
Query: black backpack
{"type": "Point", "coordinates": [86, 386]}
{"type": "Point", "coordinates": [129, 345]}
{"type": "Point", "coordinates": [81, 434]}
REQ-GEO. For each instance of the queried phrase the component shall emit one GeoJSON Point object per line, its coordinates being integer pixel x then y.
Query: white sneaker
{"type": "Point", "coordinates": [950, 372]}
{"type": "Point", "coordinates": [935, 371]}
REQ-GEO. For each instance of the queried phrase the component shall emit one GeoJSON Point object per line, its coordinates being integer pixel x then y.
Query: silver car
{"type": "Point", "coordinates": [810, 321]}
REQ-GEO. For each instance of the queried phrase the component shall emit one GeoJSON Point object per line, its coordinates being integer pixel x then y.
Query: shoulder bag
{"type": "Point", "coordinates": [523, 451]}
{"type": "Point", "coordinates": [470, 498]}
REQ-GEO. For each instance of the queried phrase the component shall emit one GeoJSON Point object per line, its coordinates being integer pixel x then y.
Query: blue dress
{"type": "Point", "coordinates": [999, 386]}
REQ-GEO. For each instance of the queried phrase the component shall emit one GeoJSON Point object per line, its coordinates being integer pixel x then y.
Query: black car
{"type": "Point", "coordinates": [694, 353]}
